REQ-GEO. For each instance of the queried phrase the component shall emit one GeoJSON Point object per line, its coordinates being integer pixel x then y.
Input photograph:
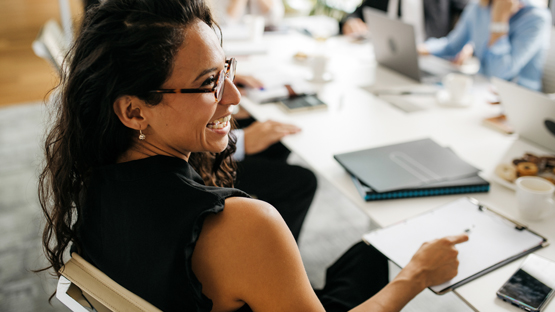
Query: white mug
{"type": "Point", "coordinates": [457, 85]}
{"type": "Point", "coordinates": [319, 64]}
{"type": "Point", "coordinates": [534, 197]}
{"type": "Point", "coordinates": [255, 23]}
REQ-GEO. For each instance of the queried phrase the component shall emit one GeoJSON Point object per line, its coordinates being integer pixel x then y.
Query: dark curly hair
{"type": "Point", "coordinates": [125, 47]}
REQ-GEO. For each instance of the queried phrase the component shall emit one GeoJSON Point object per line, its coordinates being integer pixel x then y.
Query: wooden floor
{"type": "Point", "coordinates": [25, 77]}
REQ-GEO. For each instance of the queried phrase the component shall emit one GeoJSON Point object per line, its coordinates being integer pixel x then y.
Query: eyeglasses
{"type": "Point", "coordinates": [218, 89]}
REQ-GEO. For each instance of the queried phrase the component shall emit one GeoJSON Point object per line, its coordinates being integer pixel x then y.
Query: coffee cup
{"type": "Point", "coordinates": [255, 24]}
{"type": "Point", "coordinates": [458, 88]}
{"type": "Point", "coordinates": [534, 197]}
{"type": "Point", "coordinates": [318, 65]}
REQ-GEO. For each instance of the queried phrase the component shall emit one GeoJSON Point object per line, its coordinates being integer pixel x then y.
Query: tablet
{"type": "Point", "coordinates": [302, 103]}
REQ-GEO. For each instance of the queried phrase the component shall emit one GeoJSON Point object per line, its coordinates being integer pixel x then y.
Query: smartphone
{"type": "Point", "coordinates": [531, 287]}
{"type": "Point", "coordinates": [302, 103]}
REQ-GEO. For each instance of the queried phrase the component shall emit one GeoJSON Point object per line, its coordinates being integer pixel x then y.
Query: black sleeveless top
{"type": "Point", "coordinates": [139, 225]}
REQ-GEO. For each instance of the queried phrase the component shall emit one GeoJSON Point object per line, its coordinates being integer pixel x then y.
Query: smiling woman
{"type": "Point", "coordinates": [138, 173]}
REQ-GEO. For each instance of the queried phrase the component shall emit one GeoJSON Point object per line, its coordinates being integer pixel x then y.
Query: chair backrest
{"type": "Point", "coordinates": [548, 80]}
{"type": "Point", "coordinates": [51, 44]}
{"type": "Point", "coordinates": [84, 288]}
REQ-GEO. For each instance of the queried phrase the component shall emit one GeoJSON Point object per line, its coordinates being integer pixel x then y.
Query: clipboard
{"type": "Point", "coordinates": [494, 240]}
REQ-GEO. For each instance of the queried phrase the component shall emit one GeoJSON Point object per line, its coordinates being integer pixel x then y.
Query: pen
{"type": "Point", "coordinates": [305, 31]}
{"type": "Point", "coordinates": [341, 101]}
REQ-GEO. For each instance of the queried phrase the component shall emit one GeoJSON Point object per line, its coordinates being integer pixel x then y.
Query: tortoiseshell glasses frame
{"type": "Point", "coordinates": [218, 89]}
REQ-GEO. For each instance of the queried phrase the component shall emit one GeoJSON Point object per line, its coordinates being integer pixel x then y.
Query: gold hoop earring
{"type": "Point", "coordinates": [141, 135]}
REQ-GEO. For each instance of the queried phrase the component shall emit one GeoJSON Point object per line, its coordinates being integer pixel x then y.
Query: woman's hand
{"type": "Point", "coordinates": [502, 10]}
{"type": "Point", "coordinates": [354, 26]}
{"type": "Point", "coordinates": [244, 81]}
{"type": "Point", "coordinates": [422, 49]}
{"type": "Point", "coordinates": [436, 261]}
{"type": "Point", "coordinates": [465, 54]}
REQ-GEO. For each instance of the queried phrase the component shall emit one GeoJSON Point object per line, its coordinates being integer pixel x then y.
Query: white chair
{"type": "Point", "coordinates": [52, 43]}
{"type": "Point", "coordinates": [84, 288]}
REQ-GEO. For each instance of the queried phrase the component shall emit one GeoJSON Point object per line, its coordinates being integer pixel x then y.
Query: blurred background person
{"type": "Point", "coordinates": [509, 37]}
{"type": "Point", "coordinates": [262, 169]}
{"type": "Point", "coordinates": [436, 17]}
{"type": "Point", "coordinates": [232, 11]}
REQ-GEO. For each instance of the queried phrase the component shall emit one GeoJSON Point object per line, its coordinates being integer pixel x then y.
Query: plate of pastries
{"type": "Point", "coordinates": [527, 165]}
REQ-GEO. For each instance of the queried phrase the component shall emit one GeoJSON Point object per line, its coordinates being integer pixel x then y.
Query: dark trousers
{"type": "Point", "coordinates": [357, 275]}
{"type": "Point", "coordinates": [268, 177]}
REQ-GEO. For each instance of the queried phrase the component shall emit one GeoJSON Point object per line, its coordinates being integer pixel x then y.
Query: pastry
{"type": "Point", "coordinates": [526, 169]}
{"type": "Point", "coordinates": [506, 172]}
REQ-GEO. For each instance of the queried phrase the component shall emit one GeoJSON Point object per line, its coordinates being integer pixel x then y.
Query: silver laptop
{"type": "Point", "coordinates": [395, 48]}
{"type": "Point", "coordinates": [531, 113]}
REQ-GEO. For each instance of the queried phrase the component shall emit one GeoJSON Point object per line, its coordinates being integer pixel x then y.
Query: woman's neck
{"type": "Point", "coordinates": [141, 150]}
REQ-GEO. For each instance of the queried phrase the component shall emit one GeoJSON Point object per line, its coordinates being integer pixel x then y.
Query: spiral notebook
{"type": "Point", "coordinates": [493, 239]}
{"type": "Point", "coordinates": [474, 184]}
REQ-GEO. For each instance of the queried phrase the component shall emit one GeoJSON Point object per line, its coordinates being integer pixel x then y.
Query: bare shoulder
{"type": "Point", "coordinates": [244, 247]}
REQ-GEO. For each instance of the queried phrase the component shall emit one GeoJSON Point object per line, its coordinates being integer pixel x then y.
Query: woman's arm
{"type": "Point", "coordinates": [434, 263]}
{"type": "Point", "coordinates": [246, 253]}
{"type": "Point", "coordinates": [507, 54]}
{"type": "Point", "coordinates": [236, 8]}
{"type": "Point", "coordinates": [454, 42]}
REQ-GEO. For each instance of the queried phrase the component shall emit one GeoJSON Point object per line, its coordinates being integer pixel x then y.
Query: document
{"type": "Point", "coordinates": [493, 239]}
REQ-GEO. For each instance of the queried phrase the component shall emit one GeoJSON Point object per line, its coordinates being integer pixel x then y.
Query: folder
{"type": "Point", "coordinates": [494, 240]}
{"type": "Point", "coordinates": [411, 169]}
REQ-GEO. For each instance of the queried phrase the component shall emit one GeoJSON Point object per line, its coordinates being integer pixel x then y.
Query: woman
{"type": "Point", "coordinates": [134, 168]}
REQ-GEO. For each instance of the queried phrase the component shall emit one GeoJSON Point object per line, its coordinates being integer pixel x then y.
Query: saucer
{"type": "Point", "coordinates": [444, 99]}
{"type": "Point", "coordinates": [326, 77]}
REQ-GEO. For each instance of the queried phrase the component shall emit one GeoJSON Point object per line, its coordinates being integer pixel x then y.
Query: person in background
{"type": "Point", "coordinates": [509, 37]}
{"type": "Point", "coordinates": [439, 16]}
{"type": "Point", "coordinates": [231, 11]}
{"type": "Point", "coordinates": [262, 169]}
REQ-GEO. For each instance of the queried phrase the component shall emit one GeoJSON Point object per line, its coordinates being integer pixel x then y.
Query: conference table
{"type": "Point", "coordinates": [357, 119]}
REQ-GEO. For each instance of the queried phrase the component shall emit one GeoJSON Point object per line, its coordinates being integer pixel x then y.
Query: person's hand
{"type": "Point", "coordinates": [465, 54]}
{"type": "Point", "coordinates": [244, 81]}
{"type": "Point", "coordinates": [502, 10]}
{"type": "Point", "coordinates": [436, 261]}
{"type": "Point", "coordinates": [422, 49]}
{"type": "Point", "coordinates": [354, 26]}
{"type": "Point", "coordinates": [260, 135]}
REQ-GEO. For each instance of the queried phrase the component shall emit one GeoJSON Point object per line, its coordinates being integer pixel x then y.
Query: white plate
{"type": "Point", "coordinates": [517, 150]}
{"type": "Point", "coordinates": [497, 179]}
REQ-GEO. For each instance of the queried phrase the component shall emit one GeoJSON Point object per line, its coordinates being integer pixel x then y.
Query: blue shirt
{"type": "Point", "coordinates": [518, 56]}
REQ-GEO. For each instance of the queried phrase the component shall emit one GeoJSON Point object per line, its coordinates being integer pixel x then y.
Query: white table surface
{"type": "Point", "coordinates": [356, 119]}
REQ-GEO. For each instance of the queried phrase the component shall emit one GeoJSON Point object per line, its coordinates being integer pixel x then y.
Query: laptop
{"type": "Point", "coordinates": [395, 48]}
{"type": "Point", "coordinates": [531, 113]}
